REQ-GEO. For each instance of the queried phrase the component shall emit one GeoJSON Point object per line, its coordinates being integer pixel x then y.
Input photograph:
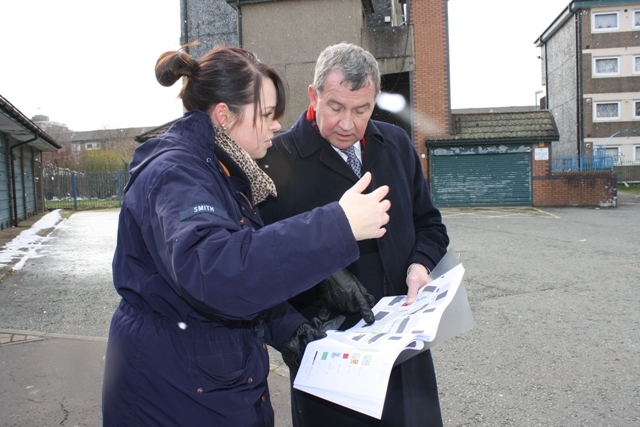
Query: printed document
{"type": "Point", "coordinates": [352, 368]}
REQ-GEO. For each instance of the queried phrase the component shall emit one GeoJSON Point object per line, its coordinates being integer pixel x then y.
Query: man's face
{"type": "Point", "coordinates": [342, 114]}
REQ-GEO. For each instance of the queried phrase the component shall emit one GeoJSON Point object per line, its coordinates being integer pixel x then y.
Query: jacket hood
{"type": "Point", "coordinates": [193, 133]}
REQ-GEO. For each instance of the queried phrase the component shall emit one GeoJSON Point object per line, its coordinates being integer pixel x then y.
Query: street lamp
{"type": "Point", "coordinates": [536, 104]}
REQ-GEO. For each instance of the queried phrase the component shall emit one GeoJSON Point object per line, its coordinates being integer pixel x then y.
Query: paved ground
{"type": "Point", "coordinates": [554, 294]}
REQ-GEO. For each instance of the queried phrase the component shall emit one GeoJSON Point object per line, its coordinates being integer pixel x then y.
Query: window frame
{"type": "Point", "coordinates": [633, 24]}
{"type": "Point", "coordinates": [606, 119]}
{"type": "Point", "coordinates": [636, 152]}
{"type": "Point", "coordinates": [633, 64]}
{"type": "Point", "coordinates": [595, 69]}
{"type": "Point", "coordinates": [636, 109]}
{"type": "Point", "coordinates": [617, 158]}
{"type": "Point", "coordinates": [604, 30]}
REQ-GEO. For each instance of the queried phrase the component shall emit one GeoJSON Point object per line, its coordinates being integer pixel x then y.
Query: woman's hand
{"type": "Point", "coordinates": [367, 213]}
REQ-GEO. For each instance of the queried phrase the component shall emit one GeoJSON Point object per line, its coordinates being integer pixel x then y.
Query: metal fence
{"type": "Point", "coordinates": [626, 171]}
{"type": "Point", "coordinates": [585, 163]}
{"type": "Point", "coordinates": [84, 190]}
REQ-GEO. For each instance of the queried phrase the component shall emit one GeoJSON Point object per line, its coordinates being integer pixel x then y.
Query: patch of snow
{"type": "Point", "coordinates": [26, 244]}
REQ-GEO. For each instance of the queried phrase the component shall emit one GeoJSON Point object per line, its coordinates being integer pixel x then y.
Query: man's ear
{"type": "Point", "coordinates": [313, 96]}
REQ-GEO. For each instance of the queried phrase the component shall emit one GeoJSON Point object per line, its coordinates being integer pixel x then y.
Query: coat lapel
{"type": "Point", "coordinates": [309, 142]}
{"type": "Point", "coordinates": [375, 143]}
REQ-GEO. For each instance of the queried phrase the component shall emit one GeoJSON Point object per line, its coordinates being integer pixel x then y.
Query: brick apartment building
{"type": "Point", "coordinates": [591, 70]}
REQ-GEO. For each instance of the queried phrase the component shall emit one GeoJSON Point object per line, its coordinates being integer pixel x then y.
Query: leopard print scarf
{"type": "Point", "coordinates": [262, 185]}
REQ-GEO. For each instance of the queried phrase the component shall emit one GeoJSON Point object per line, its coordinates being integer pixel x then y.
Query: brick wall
{"type": "Point", "coordinates": [431, 99]}
{"type": "Point", "coordinates": [596, 188]}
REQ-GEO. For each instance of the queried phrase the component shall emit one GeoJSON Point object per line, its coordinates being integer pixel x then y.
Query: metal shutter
{"type": "Point", "coordinates": [494, 179]}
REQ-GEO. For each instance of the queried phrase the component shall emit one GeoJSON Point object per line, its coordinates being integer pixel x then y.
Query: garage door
{"type": "Point", "coordinates": [481, 177]}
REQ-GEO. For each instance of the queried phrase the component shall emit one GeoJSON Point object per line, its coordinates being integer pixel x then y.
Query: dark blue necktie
{"type": "Point", "coordinates": [353, 160]}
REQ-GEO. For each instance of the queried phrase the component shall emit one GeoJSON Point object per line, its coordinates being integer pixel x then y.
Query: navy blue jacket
{"type": "Point", "coordinates": [204, 286]}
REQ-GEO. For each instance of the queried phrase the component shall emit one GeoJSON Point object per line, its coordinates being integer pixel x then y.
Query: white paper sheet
{"type": "Point", "coordinates": [351, 368]}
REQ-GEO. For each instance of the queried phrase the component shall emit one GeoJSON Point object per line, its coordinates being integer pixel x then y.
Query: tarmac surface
{"type": "Point", "coordinates": [554, 294]}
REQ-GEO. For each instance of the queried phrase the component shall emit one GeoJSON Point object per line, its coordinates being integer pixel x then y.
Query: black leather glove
{"type": "Point", "coordinates": [293, 350]}
{"type": "Point", "coordinates": [342, 293]}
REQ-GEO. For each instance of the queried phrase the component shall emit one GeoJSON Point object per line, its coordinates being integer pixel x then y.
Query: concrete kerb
{"type": "Point", "coordinates": [17, 336]}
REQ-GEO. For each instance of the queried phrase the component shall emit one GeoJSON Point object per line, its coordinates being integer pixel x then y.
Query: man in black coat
{"type": "Point", "coordinates": [314, 163]}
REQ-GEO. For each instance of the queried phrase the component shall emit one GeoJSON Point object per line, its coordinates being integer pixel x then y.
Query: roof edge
{"type": "Point", "coordinates": [12, 112]}
{"type": "Point", "coordinates": [570, 9]}
{"type": "Point", "coordinates": [492, 140]}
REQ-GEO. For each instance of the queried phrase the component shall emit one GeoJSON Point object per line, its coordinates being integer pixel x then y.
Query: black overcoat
{"type": "Point", "coordinates": [308, 172]}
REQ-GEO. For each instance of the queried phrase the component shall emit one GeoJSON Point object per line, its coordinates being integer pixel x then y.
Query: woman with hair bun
{"type": "Point", "coordinates": [203, 282]}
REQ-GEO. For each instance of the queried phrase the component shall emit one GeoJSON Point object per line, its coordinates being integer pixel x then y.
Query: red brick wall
{"type": "Point", "coordinates": [571, 188]}
{"type": "Point", "coordinates": [431, 99]}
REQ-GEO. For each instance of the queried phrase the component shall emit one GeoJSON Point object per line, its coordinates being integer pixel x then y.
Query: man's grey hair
{"type": "Point", "coordinates": [356, 65]}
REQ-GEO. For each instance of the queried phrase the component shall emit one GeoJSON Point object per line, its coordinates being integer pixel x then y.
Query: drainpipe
{"type": "Point", "coordinates": [184, 24]}
{"type": "Point", "coordinates": [13, 179]}
{"type": "Point", "coordinates": [239, 22]}
{"type": "Point", "coordinates": [579, 71]}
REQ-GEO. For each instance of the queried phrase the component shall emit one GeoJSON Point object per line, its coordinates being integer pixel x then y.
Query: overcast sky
{"type": "Point", "coordinates": [90, 65]}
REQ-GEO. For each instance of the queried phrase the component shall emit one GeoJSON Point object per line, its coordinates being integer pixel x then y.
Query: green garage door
{"type": "Point", "coordinates": [481, 179]}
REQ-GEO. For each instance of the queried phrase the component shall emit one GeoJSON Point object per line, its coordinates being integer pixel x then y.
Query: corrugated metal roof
{"type": "Point", "coordinates": [491, 127]}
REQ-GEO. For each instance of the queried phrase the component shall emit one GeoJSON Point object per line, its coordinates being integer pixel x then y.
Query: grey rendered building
{"type": "Point", "coordinates": [409, 38]}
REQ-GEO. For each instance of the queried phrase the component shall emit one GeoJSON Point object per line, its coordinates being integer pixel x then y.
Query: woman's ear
{"type": "Point", "coordinates": [221, 115]}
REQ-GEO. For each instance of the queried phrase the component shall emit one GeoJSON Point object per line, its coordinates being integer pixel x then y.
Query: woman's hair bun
{"type": "Point", "coordinates": [175, 64]}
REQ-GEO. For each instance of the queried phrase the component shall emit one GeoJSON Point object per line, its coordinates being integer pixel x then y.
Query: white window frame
{"type": "Point", "coordinates": [605, 119]}
{"type": "Point", "coordinates": [635, 69]}
{"type": "Point", "coordinates": [602, 30]}
{"type": "Point", "coordinates": [636, 19]}
{"type": "Point", "coordinates": [636, 151]}
{"type": "Point", "coordinates": [595, 69]}
{"type": "Point", "coordinates": [636, 104]}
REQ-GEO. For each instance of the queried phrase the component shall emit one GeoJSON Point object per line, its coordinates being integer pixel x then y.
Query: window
{"type": "Point", "coordinates": [636, 19]}
{"type": "Point", "coordinates": [614, 152]}
{"type": "Point", "coordinates": [606, 111]}
{"type": "Point", "coordinates": [606, 66]}
{"type": "Point", "coordinates": [636, 65]}
{"type": "Point", "coordinates": [636, 154]}
{"type": "Point", "coordinates": [605, 21]}
{"type": "Point", "coordinates": [636, 109]}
